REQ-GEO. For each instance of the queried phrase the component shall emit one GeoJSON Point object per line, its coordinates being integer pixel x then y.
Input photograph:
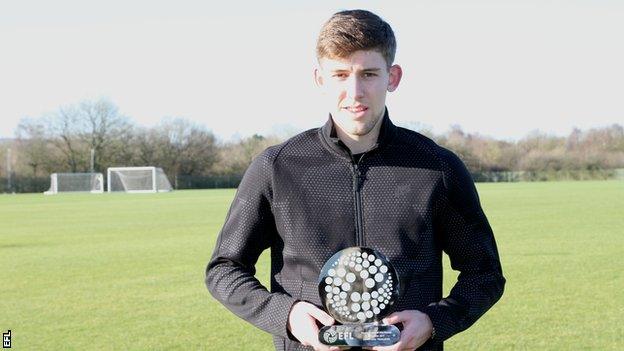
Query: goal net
{"type": "Point", "coordinates": [137, 180]}
{"type": "Point", "coordinates": [76, 182]}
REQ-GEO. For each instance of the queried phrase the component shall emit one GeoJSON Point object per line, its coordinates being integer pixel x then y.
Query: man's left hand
{"type": "Point", "coordinates": [417, 329]}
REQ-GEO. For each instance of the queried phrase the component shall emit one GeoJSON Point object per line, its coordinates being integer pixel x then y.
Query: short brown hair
{"type": "Point", "coordinates": [349, 31]}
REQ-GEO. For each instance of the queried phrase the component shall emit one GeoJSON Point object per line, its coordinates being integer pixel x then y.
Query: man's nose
{"type": "Point", "coordinates": [354, 87]}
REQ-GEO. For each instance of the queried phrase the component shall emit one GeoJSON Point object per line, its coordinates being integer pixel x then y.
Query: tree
{"type": "Point", "coordinates": [64, 128]}
{"type": "Point", "coordinates": [88, 125]}
{"type": "Point", "coordinates": [179, 146]}
{"type": "Point", "coordinates": [236, 157]}
{"type": "Point", "coordinates": [101, 125]}
{"type": "Point", "coordinates": [35, 146]}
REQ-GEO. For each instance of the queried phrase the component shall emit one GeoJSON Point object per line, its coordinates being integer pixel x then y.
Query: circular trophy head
{"type": "Point", "coordinates": [358, 285]}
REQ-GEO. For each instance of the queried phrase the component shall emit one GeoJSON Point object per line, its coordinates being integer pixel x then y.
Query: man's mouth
{"type": "Point", "coordinates": [356, 109]}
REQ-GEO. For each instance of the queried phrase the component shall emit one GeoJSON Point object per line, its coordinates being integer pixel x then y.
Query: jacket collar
{"type": "Point", "coordinates": [328, 134]}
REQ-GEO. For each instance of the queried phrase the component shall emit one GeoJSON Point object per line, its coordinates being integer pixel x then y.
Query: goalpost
{"type": "Point", "coordinates": [137, 180]}
{"type": "Point", "coordinates": [76, 182]}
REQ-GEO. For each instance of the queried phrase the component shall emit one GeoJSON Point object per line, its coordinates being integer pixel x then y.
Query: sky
{"type": "Point", "coordinates": [498, 68]}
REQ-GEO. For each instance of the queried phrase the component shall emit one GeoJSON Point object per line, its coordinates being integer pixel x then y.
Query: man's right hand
{"type": "Point", "coordinates": [302, 325]}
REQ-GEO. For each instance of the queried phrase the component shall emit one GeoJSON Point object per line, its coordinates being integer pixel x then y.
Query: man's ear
{"type": "Point", "coordinates": [394, 77]}
{"type": "Point", "coordinates": [318, 78]}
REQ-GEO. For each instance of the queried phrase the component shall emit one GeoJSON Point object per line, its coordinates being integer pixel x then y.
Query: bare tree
{"type": "Point", "coordinates": [4, 146]}
{"type": "Point", "coordinates": [101, 125]}
{"type": "Point", "coordinates": [35, 147]}
{"type": "Point", "coordinates": [88, 125]}
{"type": "Point", "coordinates": [179, 146]}
{"type": "Point", "coordinates": [64, 127]}
{"type": "Point", "coordinates": [236, 157]}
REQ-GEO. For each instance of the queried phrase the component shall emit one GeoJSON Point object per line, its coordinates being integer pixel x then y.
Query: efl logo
{"type": "Point", "coordinates": [330, 336]}
{"type": "Point", "coordinates": [6, 340]}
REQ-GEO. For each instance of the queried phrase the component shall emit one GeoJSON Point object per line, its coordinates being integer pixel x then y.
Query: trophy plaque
{"type": "Point", "coordinates": [358, 286]}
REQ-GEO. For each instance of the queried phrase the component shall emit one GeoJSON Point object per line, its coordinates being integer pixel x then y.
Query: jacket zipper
{"type": "Point", "coordinates": [357, 182]}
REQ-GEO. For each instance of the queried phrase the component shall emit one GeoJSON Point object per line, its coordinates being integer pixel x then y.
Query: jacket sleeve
{"type": "Point", "coordinates": [248, 230]}
{"type": "Point", "coordinates": [466, 236]}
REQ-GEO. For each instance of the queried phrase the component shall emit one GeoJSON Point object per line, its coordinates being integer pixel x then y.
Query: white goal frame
{"type": "Point", "coordinates": [54, 188]}
{"type": "Point", "coordinates": [154, 171]}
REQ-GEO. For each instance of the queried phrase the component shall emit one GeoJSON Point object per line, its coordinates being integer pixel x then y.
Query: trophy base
{"type": "Point", "coordinates": [364, 335]}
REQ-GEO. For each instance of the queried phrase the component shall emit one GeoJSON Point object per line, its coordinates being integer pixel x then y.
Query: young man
{"type": "Point", "coordinates": [357, 181]}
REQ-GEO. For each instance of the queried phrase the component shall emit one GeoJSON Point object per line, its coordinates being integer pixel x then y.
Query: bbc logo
{"type": "Point", "coordinates": [6, 340]}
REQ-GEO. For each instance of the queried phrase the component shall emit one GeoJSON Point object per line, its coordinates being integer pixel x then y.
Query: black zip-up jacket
{"type": "Point", "coordinates": [308, 197]}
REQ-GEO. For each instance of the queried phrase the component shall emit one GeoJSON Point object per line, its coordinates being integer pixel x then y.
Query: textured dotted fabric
{"type": "Point", "coordinates": [307, 198]}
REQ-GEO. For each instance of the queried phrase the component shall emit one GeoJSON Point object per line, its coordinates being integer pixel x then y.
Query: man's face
{"type": "Point", "coordinates": [355, 89]}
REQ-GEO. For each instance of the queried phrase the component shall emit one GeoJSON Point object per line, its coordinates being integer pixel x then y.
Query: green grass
{"type": "Point", "coordinates": [126, 271]}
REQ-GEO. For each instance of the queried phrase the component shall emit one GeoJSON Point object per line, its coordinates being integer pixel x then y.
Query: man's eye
{"type": "Point", "coordinates": [369, 75]}
{"type": "Point", "coordinates": [340, 75]}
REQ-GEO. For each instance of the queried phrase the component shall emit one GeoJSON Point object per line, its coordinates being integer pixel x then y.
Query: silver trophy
{"type": "Point", "coordinates": [358, 287]}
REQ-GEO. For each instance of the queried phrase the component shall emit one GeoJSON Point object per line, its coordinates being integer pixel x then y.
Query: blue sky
{"type": "Point", "coordinates": [499, 68]}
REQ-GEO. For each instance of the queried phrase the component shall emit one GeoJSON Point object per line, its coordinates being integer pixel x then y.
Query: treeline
{"type": "Point", "coordinates": [192, 157]}
{"type": "Point", "coordinates": [584, 152]}
{"type": "Point", "coordinates": [62, 142]}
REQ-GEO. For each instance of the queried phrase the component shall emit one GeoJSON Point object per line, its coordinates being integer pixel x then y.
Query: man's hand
{"type": "Point", "coordinates": [417, 329]}
{"type": "Point", "coordinates": [302, 325]}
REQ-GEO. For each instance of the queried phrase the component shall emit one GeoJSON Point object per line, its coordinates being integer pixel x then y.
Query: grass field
{"type": "Point", "coordinates": [125, 272]}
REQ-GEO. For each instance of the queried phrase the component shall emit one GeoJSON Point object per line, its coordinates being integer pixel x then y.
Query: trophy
{"type": "Point", "coordinates": [358, 286]}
